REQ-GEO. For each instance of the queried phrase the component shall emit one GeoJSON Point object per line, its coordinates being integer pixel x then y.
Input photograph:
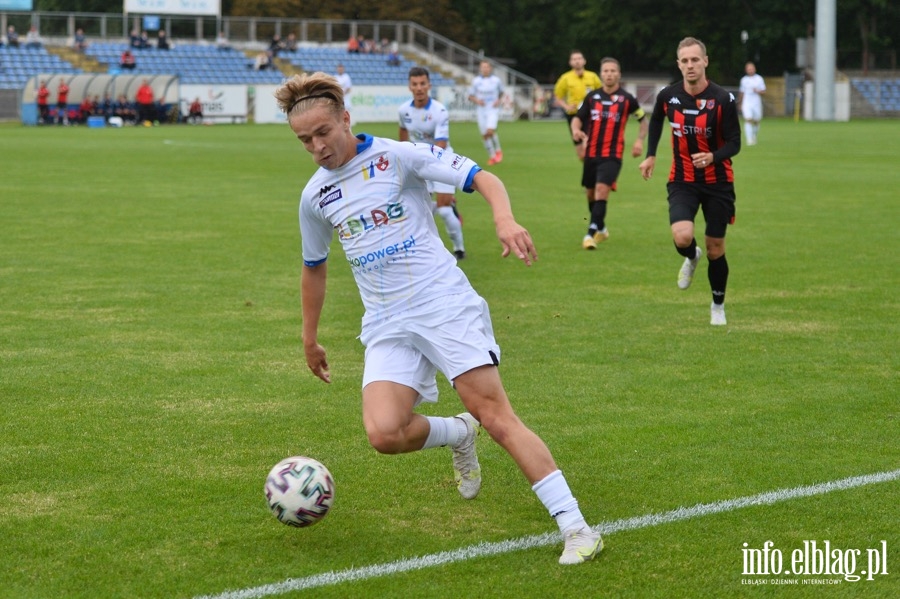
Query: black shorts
{"type": "Point", "coordinates": [717, 201]}
{"type": "Point", "coordinates": [600, 170]}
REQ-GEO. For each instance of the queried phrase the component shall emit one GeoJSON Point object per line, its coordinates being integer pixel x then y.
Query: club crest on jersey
{"type": "Point", "coordinates": [368, 170]}
{"type": "Point", "coordinates": [707, 104]}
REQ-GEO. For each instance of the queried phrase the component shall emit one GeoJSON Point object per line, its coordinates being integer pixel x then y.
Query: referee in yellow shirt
{"type": "Point", "coordinates": [571, 89]}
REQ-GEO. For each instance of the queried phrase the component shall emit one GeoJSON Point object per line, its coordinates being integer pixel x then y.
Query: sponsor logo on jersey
{"type": "Point", "coordinates": [697, 131]}
{"type": "Point", "coordinates": [379, 255]}
{"type": "Point", "coordinates": [674, 100]}
{"type": "Point", "coordinates": [334, 196]}
{"type": "Point", "coordinates": [458, 161]}
{"type": "Point", "coordinates": [378, 217]}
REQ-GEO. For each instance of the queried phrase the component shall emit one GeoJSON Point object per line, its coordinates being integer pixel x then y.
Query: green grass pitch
{"type": "Point", "coordinates": [151, 371]}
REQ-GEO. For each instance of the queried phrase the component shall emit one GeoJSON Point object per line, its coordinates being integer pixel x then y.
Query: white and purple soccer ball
{"type": "Point", "coordinates": [299, 491]}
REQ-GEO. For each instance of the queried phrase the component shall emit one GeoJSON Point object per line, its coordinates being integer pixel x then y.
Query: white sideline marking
{"type": "Point", "coordinates": [486, 549]}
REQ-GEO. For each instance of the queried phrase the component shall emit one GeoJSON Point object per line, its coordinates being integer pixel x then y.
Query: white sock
{"type": "Point", "coordinates": [554, 493]}
{"type": "Point", "coordinates": [454, 228]}
{"type": "Point", "coordinates": [748, 130]}
{"type": "Point", "coordinates": [489, 146]}
{"type": "Point", "coordinates": [496, 139]}
{"type": "Point", "coordinates": [444, 431]}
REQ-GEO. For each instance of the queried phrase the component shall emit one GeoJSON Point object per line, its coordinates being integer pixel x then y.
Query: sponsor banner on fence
{"type": "Point", "coordinates": [379, 104]}
{"type": "Point", "coordinates": [221, 103]}
{"type": "Point", "coordinates": [174, 7]}
{"type": "Point", "coordinates": [265, 109]}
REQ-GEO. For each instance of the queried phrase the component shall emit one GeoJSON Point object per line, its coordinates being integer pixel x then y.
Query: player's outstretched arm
{"type": "Point", "coordinates": [513, 237]}
{"type": "Point", "coordinates": [312, 295]}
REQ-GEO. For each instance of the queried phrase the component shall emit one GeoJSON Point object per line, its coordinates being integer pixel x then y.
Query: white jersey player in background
{"type": "Point", "coordinates": [425, 120]}
{"type": "Point", "coordinates": [486, 92]}
{"type": "Point", "coordinates": [750, 101]}
{"type": "Point", "coordinates": [346, 85]}
{"type": "Point", "coordinates": [373, 194]}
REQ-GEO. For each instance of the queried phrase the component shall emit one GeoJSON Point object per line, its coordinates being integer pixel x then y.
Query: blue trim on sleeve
{"type": "Point", "coordinates": [468, 186]}
{"type": "Point", "coordinates": [314, 263]}
{"type": "Point", "coordinates": [365, 142]}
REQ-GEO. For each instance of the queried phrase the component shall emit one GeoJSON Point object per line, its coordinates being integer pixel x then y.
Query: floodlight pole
{"type": "Point", "coordinates": [826, 41]}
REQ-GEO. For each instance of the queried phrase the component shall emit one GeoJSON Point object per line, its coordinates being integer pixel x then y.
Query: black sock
{"type": "Point", "coordinates": [690, 251]}
{"type": "Point", "coordinates": [718, 278]}
{"type": "Point", "coordinates": [598, 214]}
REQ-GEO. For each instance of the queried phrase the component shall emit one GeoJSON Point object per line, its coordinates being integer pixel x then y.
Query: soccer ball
{"type": "Point", "coordinates": [299, 491]}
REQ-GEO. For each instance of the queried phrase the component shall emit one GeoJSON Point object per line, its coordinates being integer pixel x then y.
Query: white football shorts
{"type": "Point", "coordinates": [752, 112]}
{"type": "Point", "coordinates": [487, 118]}
{"type": "Point", "coordinates": [451, 334]}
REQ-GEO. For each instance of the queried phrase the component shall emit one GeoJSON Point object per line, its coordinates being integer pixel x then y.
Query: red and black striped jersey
{"type": "Point", "coordinates": [603, 118]}
{"type": "Point", "coordinates": [707, 122]}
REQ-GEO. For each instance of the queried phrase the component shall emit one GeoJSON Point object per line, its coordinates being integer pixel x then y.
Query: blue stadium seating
{"type": "Point", "coordinates": [364, 69]}
{"type": "Point", "coordinates": [194, 64]}
{"type": "Point", "coordinates": [883, 95]}
{"type": "Point", "coordinates": [198, 64]}
{"type": "Point", "coordinates": [17, 65]}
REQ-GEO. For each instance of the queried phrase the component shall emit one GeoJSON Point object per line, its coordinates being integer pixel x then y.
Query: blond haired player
{"type": "Point", "coordinates": [372, 193]}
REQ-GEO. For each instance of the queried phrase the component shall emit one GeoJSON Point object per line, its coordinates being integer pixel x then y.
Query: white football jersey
{"type": "Point", "coordinates": [379, 207]}
{"type": "Point", "coordinates": [749, 85]}
{"type": "Point", "coordinates": [487, 89]}
{"type": "Point", "coordinates": [428, 124]}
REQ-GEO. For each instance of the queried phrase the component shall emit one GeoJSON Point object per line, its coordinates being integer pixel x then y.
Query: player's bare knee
{"type": "Point", "coordinates": [385, 442]}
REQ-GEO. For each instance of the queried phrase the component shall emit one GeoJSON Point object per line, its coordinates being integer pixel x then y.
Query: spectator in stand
{"type": "Point", "coordinates": [162, 42]}
{"type": "Point", "coordinates": [43, 95]}
{"type": "Point", "coordinates": [62, 103]}
{"type": "Point", "coordinates": [276, 45]}
{"type": "Point", "coordinates": [394, 54]}
{"type": "Point", "coordinates": [290, 44]}
{"type": "Point", "coordinates": [145, 40]}
{"type": "Point", "coordinates": [263, 61]}
{"type": "Point", "coordinates": [195, 112]}
{"type": "Point", "coordinates": [353, 45]}
{"type": "Point", "coordinates": [33, 39]}
{"type": "Point", "coordinates": [145, 107]}
{"type": "Point", "coordinates": [134, 40]}
{"type": "Point", "coordinates": [222, 42]}
{"type": "Point", "coordinates": [126, 61]}
{"type": "Point", "coordinates": [12, 38]}
{"type": "Point", "coordinates": [80, 40]}
{"type": "Point", "coordinates": [385, 46]}
{"type": "Point", "coordinates": [361, 42]}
